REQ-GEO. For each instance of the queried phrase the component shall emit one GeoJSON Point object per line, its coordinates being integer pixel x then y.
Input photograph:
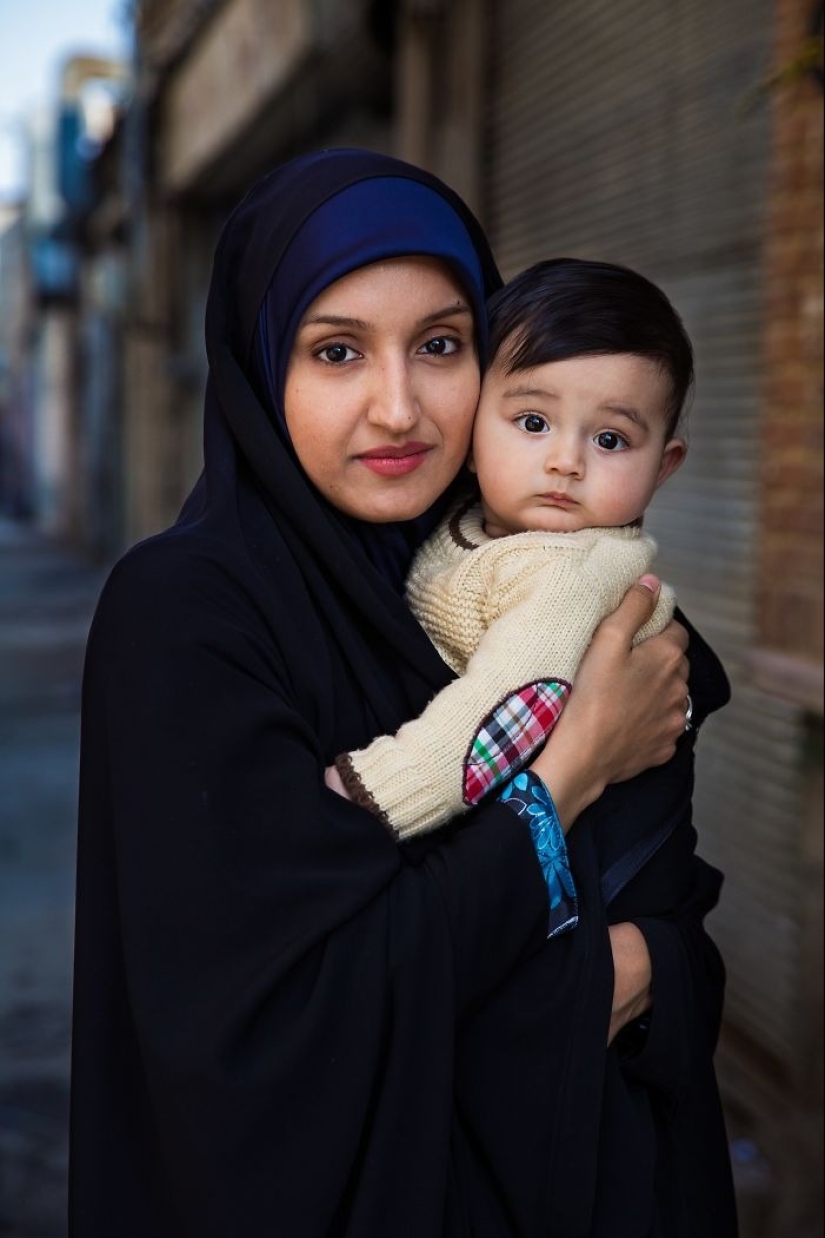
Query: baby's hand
{"type": "Point", "coordinates": [333, 780]}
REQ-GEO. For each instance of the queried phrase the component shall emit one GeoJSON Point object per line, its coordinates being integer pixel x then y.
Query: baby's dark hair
{"type": "Point", "coordinates": [568, 307]}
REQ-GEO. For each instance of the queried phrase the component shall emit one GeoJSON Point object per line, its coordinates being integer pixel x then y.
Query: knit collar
{"type": "Point", "coordinates": [465, 528]}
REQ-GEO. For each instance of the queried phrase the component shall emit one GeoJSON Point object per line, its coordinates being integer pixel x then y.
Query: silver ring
{"type": "Point", "coordinates": [688, 713]}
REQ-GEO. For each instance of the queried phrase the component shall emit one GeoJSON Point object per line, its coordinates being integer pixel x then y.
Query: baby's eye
{"type": "Point", "coordinates": [533, 423]}
{"type": "Point", "coordinates": [335, 354]}
{"type": "Point", "coordinates": [440, 346]}
{"type": "Point", "coordinates": [609, 440]}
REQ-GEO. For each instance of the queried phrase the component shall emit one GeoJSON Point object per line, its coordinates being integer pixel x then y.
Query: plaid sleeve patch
{"type": "Point", "coordinates": [509, 736]}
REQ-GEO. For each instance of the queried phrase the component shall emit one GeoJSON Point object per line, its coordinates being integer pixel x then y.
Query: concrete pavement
{"type": "Point", "coordinates": [47, 596]}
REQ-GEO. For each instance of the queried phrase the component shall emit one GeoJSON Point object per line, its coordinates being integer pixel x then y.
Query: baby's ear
{"type": "Point", "coordinates": [673, 456]}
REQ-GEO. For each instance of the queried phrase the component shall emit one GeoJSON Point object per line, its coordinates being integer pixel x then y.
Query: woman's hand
{"type": "Point", "coordinates": [334, 781]}
{"type": "Point", "coordinates": [632, 976]}
{"type": "Point", "coordinates": [627, 709]}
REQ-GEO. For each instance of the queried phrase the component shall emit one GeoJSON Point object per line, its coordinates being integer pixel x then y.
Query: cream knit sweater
{"type": "Point", "coordinates": [503, 613]}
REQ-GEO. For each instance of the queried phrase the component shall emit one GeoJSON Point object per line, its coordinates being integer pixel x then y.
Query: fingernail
{"type": "Point", "coordinates": [650, 582]}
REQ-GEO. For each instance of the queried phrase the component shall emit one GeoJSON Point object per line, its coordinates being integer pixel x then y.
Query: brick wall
{"type": "Point", "coordinates": [791, 610]}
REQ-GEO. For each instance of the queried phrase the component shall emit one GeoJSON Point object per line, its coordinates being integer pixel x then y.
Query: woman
{"type": "Point", "coordinates": [284, 1023]}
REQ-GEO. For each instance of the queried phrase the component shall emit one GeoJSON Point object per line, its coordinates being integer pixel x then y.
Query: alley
{"type": "Point", "coordinates": [46, 600]}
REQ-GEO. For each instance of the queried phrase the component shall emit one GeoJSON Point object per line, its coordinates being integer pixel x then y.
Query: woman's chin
{"type": "Point", "coordinates": [391, 512]}
{"type": "Point", "coordinates": [395, 501]}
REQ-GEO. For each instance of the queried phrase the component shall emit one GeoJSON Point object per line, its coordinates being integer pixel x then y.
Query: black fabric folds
{"type": "Point", "coordinates": [285, 1025]}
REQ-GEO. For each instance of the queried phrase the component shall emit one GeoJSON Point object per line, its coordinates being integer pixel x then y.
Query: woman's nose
{"type": "Point", "coordinates": [394, 403]}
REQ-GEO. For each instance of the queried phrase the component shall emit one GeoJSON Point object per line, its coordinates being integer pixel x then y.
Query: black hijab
{"type": "Point", "coordinates": [299, 230]}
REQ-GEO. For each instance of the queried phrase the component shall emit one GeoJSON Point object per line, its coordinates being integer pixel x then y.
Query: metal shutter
{"type": "Point", "coordinates": [620, 132]}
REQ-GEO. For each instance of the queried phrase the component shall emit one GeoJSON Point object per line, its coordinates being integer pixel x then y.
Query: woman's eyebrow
{"type": "Point", "coordinates": [358, 324]}
{"type": "Point", "coordinates": [449, 311]}
{"type": "Point", "coordinates": [334, 320]}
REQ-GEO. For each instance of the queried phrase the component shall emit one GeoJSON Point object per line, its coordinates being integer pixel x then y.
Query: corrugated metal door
{"type": "Point", "coordinates": [622, 132]}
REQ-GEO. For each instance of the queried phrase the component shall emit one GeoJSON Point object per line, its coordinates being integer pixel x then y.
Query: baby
{"type": "Point", "coordinates": [576, 429]}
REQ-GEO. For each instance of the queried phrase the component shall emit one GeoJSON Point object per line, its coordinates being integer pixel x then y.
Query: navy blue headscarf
{"type": "Point", "coordinates": [305, 225]}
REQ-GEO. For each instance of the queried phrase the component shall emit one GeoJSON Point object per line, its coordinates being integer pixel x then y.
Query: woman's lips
{"type": "Point", "coordinates": [395, 461]}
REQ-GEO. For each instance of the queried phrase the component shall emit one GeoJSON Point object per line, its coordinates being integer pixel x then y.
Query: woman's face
{"type": "Point", "coordinates": [381, 388]}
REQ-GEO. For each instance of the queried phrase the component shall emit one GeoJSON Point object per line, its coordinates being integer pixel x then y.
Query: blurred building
{"type": "Point", "coordinates": [222, 90]}
{"type": "Point", "coordinates": [46, 438]}
{"type": "Point", "coordinates": [684, 140]}
{"type": "Point", "coordinates": [14, 317]}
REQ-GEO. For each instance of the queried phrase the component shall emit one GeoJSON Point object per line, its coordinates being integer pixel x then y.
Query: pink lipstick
{"type": "Point", "coordinates": [395, 461]}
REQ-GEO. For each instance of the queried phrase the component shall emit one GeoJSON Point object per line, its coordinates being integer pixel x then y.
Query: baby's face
{"type": "Point", "coordinates": [572, 444]}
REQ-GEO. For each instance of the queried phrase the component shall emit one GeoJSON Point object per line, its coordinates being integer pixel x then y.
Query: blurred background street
{"type": "Point", "coordinates": [46, 595]}
{"type": "Point", "coordinates": [685, 140]}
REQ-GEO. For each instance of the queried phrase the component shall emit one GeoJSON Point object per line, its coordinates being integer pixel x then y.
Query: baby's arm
{"type": "Point", "coordinates": [481, 729]}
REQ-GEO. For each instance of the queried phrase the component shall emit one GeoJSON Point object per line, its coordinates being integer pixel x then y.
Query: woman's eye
{"type": "Point", "coordinates": [532, 423]}
{"type": "Point", "coordinates": [334, 354]}
{"type": "Point", "coordinates": [609, 440]}
{"type": "Point", "coordinates": [440, 346]}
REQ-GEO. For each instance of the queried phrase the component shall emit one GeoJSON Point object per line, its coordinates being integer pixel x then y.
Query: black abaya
{"type": "Point", "coordinates": [285, 1024]}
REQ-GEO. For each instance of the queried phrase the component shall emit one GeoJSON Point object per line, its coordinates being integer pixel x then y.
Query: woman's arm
{"type": "Point", "coordinates": [687, 983]}
{"type": "Point", "coordinates": [633, 976]}
{"type": "Point", "coordinates": [627, 712]}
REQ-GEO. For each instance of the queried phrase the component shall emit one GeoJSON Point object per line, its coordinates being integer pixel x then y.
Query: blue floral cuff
{"type": "Point", "coordinates": [529, 799]}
